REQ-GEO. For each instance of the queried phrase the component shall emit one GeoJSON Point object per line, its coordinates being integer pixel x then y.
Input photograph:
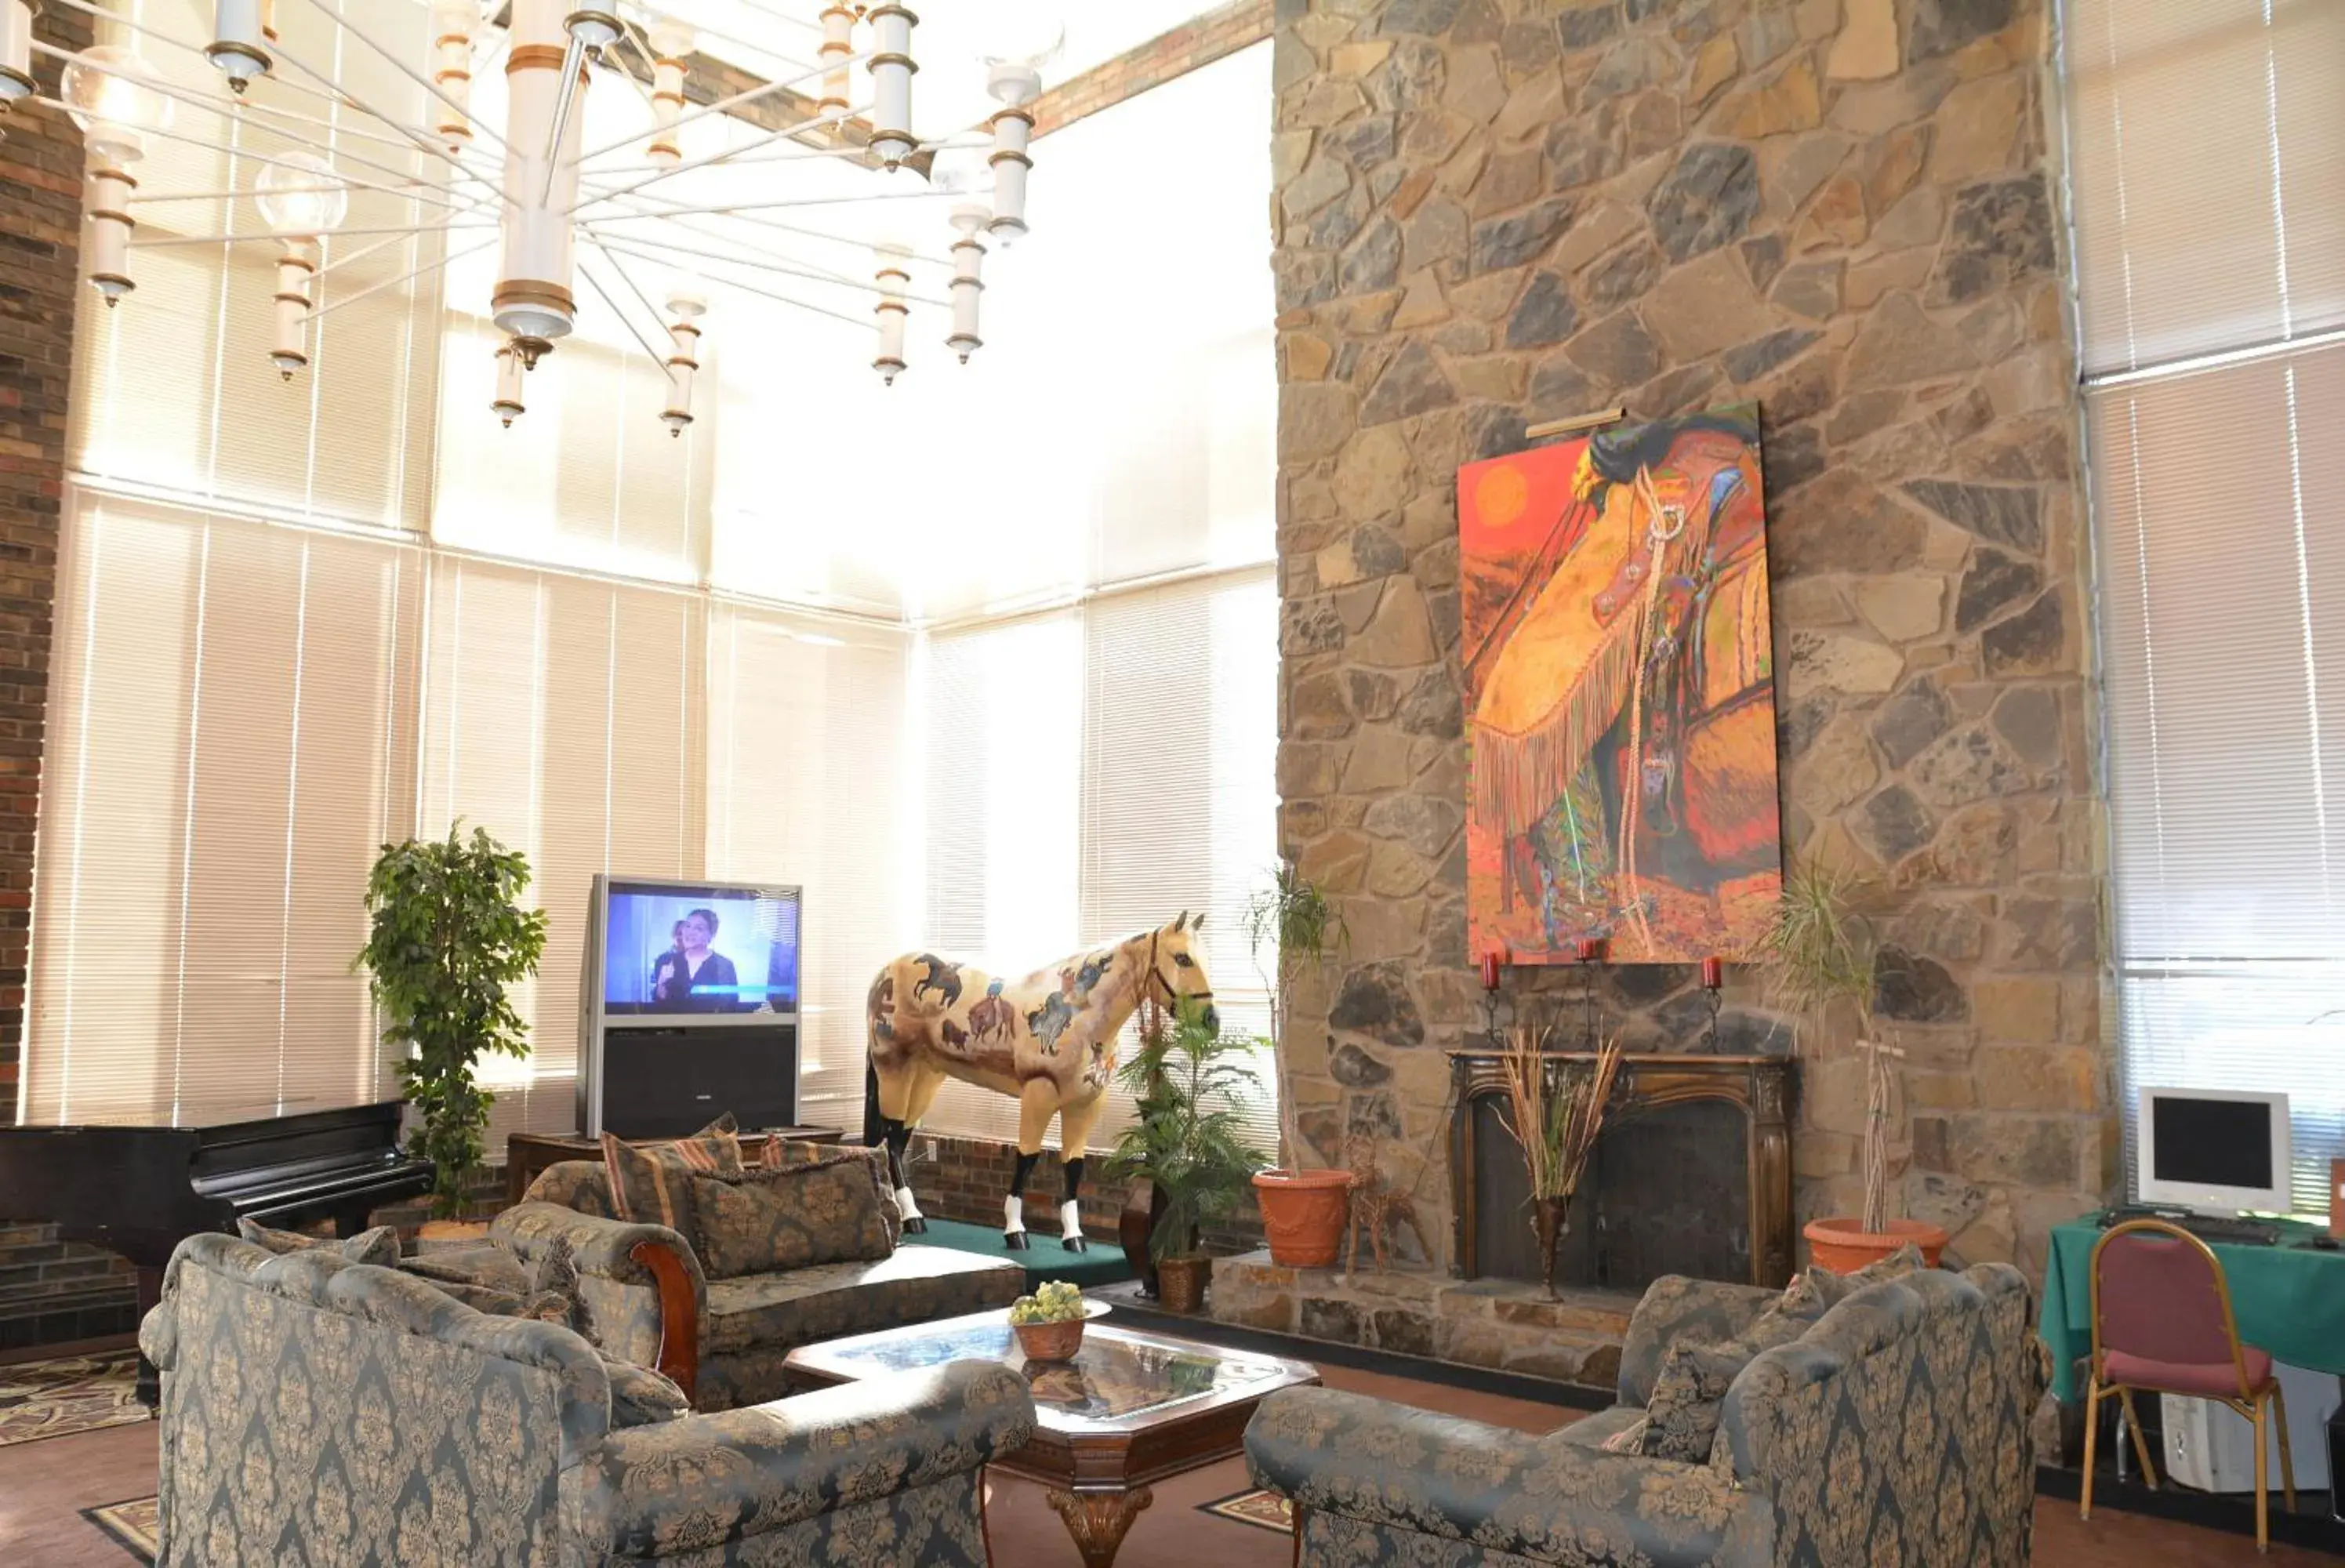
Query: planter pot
{"type": "Point", "coordinates": [1302, 1214]}
{"type": "Point", "coordinates": [1180, 1283]}
{"type": "Point", "coordinates": [1840, 1244]}
{"type": "Point", "coordinates": [1050, 1341]}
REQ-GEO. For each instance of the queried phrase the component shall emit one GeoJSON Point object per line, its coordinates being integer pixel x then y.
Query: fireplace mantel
{"type": "Point", "coordinates": [1760, 1087]}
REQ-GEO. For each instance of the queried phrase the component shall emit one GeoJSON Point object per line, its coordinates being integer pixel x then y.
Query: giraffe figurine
{"type": "Point", "coordinates": [1375, 1204]}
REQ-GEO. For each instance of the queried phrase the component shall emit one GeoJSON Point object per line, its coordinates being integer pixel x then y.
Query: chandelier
{"type": "Point", "coordinates": [545, 193]}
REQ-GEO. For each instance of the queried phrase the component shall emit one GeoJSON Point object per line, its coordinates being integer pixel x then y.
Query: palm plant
{"type": "Point", "coordinates": [1301, 927]}
{"type": "Point", "coordinates": [1821, 953]}
{"type": "Point", "coordinates": [1189, 1140]}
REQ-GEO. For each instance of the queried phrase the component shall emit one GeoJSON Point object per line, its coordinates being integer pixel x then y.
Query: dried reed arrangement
{"type": "Point", "coordinates": [1554, 1111]}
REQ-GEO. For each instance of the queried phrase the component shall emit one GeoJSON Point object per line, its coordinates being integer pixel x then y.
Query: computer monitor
{"type": "Point", "coordinates": [2215, 1151]}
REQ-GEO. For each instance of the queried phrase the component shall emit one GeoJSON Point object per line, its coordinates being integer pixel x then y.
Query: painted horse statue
{"type": "Point", "coordinates": [1047, 1041]}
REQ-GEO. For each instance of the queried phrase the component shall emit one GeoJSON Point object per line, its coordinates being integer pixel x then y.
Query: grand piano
{"type": "Point", "coordinates": [139, 1190]}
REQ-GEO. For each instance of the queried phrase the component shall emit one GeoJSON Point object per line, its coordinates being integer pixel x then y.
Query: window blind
{"type": "Point", "coordinates": [565, 715]}
{"type": "Point", "coordinates": [173, 392]}
{"type": "Point", "coordinates": [807, 784]}
{"type": "Point", "coordinates": [2207, 143]}
{"type": "Point", "coordinates": [226, 754]}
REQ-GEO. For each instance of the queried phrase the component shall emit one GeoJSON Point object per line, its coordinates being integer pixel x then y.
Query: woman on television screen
{"type": "Point", "coordinates": [692, 978]}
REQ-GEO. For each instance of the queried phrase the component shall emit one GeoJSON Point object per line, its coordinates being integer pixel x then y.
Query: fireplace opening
{"type": "Point", "coordinates": [1690, 1176]}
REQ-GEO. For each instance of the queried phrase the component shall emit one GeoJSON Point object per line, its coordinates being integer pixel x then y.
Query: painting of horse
{"type": "Point", "coordinates": [1047, 1040]}
{"type": "Point", "coordinates": [1619, 692]}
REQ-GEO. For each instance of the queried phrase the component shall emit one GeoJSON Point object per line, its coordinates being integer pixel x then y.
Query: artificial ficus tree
{"type": "Point", "coordinates": [447, 940]}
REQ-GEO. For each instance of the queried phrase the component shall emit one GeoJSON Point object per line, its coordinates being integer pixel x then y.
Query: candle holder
{"type": "Point", "coordinates": [1713, 981]}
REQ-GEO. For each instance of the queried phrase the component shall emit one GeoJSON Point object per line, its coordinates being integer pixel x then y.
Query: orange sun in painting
{"type": "Point", "coordinates": [1501, 495]}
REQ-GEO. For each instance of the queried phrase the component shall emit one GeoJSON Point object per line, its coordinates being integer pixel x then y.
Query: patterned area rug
{"type": "Point", "coordinates": [69, 1394]}
{"type": "Point", "coordinates": [1262, 1509]}
{"type": "Point", "coordinates": [133, 1525]}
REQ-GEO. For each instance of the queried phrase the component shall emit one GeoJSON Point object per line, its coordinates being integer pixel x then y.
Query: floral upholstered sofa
{"type": "Point", "coordinates": [1892, 1430]}
{"type": "Point", "coordinates": [319, 1411]}
{"type": "Point", "coordinates": [681, 1304]}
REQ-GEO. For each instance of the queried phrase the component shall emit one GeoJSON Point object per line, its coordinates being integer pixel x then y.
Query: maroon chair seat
{"type": "Point", "coordinates": [2207, 1379]}
{"type": "Point", "coordinates": [2162, 1323]}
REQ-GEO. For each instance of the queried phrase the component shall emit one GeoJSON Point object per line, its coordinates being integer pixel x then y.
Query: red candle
{"type": "Point", "coordinates": [1714, 972]}
{"type": "Point", "coordinates": [1490, 962]}
{"type": "Point", "coordinates": [1592, 949]}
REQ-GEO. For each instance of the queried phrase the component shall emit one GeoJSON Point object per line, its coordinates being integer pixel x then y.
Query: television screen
{"type": "Point", "coordinates": [670, 948]}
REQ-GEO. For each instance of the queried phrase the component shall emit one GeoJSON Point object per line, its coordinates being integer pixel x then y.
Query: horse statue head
{"type": "Point", "coordinates": [1177, 966]}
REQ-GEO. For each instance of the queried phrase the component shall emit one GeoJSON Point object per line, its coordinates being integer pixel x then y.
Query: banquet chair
{"type": "Point", "coordinates": [2162, 1323]}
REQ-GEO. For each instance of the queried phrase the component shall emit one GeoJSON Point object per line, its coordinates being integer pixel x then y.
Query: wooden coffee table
{"type": "Point", "coordinates": [1130, 1409]}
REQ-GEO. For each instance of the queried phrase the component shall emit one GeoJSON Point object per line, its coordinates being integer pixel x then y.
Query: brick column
{"type": "Point", "coordinates": [40, 235]}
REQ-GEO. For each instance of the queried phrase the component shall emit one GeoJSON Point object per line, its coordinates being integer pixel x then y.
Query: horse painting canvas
{"type": "Point", "coordinates": [1619, 694]}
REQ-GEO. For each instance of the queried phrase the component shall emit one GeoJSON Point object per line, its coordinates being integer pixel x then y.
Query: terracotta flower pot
{"type": "Point", "coordinates": [1302, 1214]}
{"type": "Point", "coordinates": [1180, 1283]}
{"type": "Point", "coordinates": [1050, 1341]}
{"type": "Point", "coordinates": [1840, 1244]}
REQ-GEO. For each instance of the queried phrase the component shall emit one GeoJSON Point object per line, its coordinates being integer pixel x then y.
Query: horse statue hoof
{"type": "Point", "coordinates": [1074, 1244]}
{"type": "Point", "coordinates": [1015, 1240]}
{"type": "Point", "coordinates": [916, 1226]}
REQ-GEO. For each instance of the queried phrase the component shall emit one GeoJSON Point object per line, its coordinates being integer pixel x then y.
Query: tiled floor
{"type": "Point", "coordinates": [44, 1484]}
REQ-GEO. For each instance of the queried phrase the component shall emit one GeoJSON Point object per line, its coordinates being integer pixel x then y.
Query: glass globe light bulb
{"type": "Point", "coordinates": [455, 19]}
{"type": "Point", "coordinates": [301, 195]}
{"type": "Point", "coordinates": [114, 97]}
{"type": "Point", "coordinates": [672, 39]}
{"type": "Point", "coordinates": [962, 169]}
{"type": "Point", "coordinates": [1021, 41]}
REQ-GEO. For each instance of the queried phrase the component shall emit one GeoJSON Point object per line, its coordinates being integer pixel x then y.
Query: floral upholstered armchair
{"type": "Point", "coordinates": [1891, 1429]}
{"type": "Point", "coordinates": [321, 1411]}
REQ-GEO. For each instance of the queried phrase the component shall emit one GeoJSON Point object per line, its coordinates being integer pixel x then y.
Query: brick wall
{"type": "Point", "coordinates": [1185, 48]}
{"type": "Point", "coordinates": [40, 240]}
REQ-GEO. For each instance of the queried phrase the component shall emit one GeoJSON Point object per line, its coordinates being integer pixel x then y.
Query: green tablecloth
{"type": "Point", "coordinates": [2289, 1300]}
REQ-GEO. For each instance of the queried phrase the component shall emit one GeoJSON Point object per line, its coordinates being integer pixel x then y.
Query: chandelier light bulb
{"type": "Point", "coordinates": [295, 271]}
{"type": "Point", "coordinates": [15, 51]}
{"type": "Point", "coordinates": [1013, 132]}
{"type": "Point", "coordinates": [239, 45]}
{"type": "Point", "coordinates": [891, 310]}
{"type": "Point", "coordinates": [671, 46]}
{"type": "Point", "coordinates": [686, 306]}
{"type": "Point", "coordinates": [837, 48]}
{"type": "Point", "coordinates": [301, 197]}
{"type": "Point", "coordinates": [968, 284]}
{"type": "Point", "coordinates": [114, 97]}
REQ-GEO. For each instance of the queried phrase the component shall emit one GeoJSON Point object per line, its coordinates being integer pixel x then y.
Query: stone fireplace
{"type": "Point", "coordinates": [1692, 1175]}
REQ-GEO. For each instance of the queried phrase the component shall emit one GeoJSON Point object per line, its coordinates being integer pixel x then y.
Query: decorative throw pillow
{"type": "Point", "coordinates": [1629, 1438]}
{"type": "Point", "coordinates": [641, 1396]}
{"type": "Point", "coordinates": [486, 1264]}
{"type": "Point", "coordinates": [795, 1216]}
{"type": "Point", "coordinates": [1681, 1419]}
{"type": "Point", "coordinates": [652, 1187]}
{"type": "Point", "coordinates": [715, 1149]}
{"type": "Point", "coordinates": [1811, 1294]}
{"type": "Point", "coordinates": [379, 1246]}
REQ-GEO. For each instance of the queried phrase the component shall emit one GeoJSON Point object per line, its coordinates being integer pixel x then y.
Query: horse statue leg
{"type": "Point", "coordinates": [1074, 1136]}
{"type": "Point", "coordinates": [1036, 1104]}
{"type": "Point", "coordinates": [905, 1094]}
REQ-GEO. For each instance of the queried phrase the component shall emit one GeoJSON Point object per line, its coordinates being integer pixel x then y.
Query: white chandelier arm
{"type": "Point", "coordinates": [748, 94]}
{"type": "Point", "coordinates": [417, 139]}
{"type": "Point", "coordinates": [404, 195]}
{"type": "Point", "coordinates": [400, 64]}
{"type": "Point", "coordinates": [275, 236]}
{"type": "Point", "coordinates": [722, 154]}
{"type": "Point", "coordinates": [427, 267]}
{"type": "Point", "coordinates": [763, 9]}
{"type": "Point", "coordinates": [765, 264]}
{"type": "Point", "coordinates": [862, 321]}
{"type": "Point", "coordinates": [793, 155]}
{"type": "Point", "coordinates": [565, 99]}
{"type": "Point", "coordinates": [641, 342]}
{"type": "Point", "coordinates": [642, 52]}
{"type": "Point", "coordinates": [703, 30]}
{"type": "Point", "coordinates": [352, 257]}
{"type": "Point", "coordinates": [667, 209]}
{"type": "Point", "coordinates": [728, 207]}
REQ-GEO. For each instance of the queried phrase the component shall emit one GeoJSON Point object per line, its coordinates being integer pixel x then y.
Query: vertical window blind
{"type": "Point", "coordinates": [224, 762]}
{"type": "Point", "coordinates": [807, 776]}
{"type": "Point", "coordinates": [2207, 143]}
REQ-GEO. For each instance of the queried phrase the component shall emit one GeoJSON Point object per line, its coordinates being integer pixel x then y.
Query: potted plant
{"type": "Point", "coordinates": [1188, 1141]}
{"type": "Point", "coordinates": [446, 942]}
{"type": "Point", "coordinates": [1554, 1111]}
{"type": "Point", "coordinates": [1820, 954]}
{"type": "Point", "coordinates": [1049, 1322]}
{"type": "Point", "coordinates": [1303, 1211]}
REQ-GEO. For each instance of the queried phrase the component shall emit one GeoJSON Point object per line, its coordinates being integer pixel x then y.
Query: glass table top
{"type": "Point", "coordinates": [1119, 1377]}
